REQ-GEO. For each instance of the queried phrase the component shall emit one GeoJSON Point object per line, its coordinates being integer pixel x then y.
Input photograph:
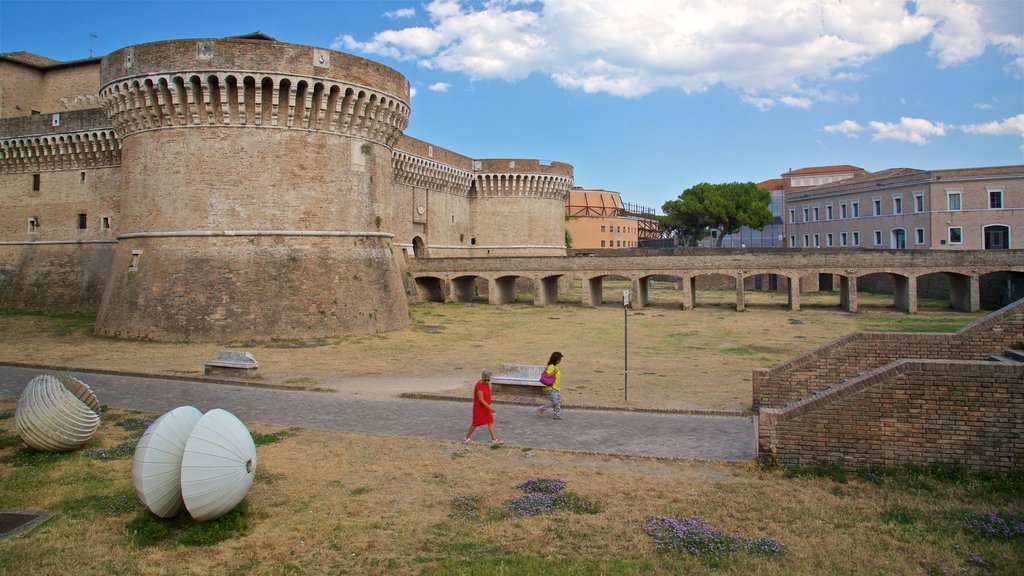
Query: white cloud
{"type": "Point", "coordinates": [439, 87]}
{"type": "Point", "coordinates": [412, 91]}
{"type": "Point", "coordinates": [983, 106]}
{"type": "Point", "coordinates": [848, 128]}
{"type": "Point", "coordinates": [400, 13]}
{"type": "Point", "coordinates": [964, 29]}
{"type": "Point", "coordinates": [1013, 126]}
{"type": "Point", "coordinates": [913, 130]}
{"type": "Point", "coordinates": [775, 53]}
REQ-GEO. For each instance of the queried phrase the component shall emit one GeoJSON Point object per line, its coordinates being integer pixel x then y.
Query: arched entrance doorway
{"type": "Point", "coordinates": [419, 249]}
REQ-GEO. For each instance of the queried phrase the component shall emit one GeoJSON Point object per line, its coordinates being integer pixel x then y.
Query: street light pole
{"type": "Point", "coordinates": [625, 344]}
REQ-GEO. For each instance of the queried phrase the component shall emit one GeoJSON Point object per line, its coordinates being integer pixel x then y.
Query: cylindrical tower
{"type": "Point", "coordinates": [256, 191]}
{"type": "Point", "coordinates": [521, 199]}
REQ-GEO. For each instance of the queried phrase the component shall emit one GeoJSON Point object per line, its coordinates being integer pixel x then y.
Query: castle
{"type": "Point", "coordinates": [218, 189]}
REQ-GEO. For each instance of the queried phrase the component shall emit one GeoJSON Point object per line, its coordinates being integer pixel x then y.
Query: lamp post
{"type": "Point", "coordinates": [625, 344]}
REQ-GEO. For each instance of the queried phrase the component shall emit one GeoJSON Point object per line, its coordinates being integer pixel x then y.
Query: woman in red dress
{"type": "Point", "coordinates": [483, 410]}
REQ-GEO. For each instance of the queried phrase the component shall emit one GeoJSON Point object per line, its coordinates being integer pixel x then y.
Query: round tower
{"type": "Point", "coordinates": [256, 191]}
{"type": "Point", "coordinates": [520, 199]}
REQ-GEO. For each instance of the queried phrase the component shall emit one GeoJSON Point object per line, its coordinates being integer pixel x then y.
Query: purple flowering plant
{"type": "Point", "coordinates": [532, 504]}
{"type": "Point", "coordinates": [542, 485]}
{"type": "Point", "coordinates": [694, 535]}
{"type": "Point", "coordinates": [1001, 526]}
{"type": "Point", "coordinates": [465, 507]}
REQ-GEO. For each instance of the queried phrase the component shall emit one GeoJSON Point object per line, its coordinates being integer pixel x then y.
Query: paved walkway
{"type": "Point", "coordinates": [596, 431]}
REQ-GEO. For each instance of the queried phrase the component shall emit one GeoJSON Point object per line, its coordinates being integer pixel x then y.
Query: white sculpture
{"type": "Point", "coordinates": [218, 466]}
{"type": "Point", "coordinates": [156, 466]}
{"type": "Point", "coordinates": [56, 414]}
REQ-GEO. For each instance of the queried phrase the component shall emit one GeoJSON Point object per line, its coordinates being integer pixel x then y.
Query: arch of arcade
{"type": "Point", "coordinates": [454, 279]}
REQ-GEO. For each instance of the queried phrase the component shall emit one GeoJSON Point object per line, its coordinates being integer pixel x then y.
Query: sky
{"type": "Point", "coordinates": [643, 97]}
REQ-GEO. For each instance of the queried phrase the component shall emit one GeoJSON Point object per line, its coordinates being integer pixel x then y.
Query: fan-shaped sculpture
{"type": "Point", "coordinates": [156, 466]}
{"type": "Point", "coordinates": [50, 417]}
{"type": "Point", "coordinates": [218, 466]}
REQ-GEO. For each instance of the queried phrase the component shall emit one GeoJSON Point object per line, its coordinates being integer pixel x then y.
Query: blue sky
{"type": "Point", "coordinates": [646, 97]}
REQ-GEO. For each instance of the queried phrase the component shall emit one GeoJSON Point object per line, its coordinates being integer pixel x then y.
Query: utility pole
{"type": "Point", "coordinates": [625, 344]}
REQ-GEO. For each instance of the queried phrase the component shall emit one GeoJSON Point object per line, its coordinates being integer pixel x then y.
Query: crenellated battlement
{"type": "Point", "coordinates": [518, 184]}
{"type": "Point", "coordinates": [415, 170]}
{"type": "Point", "coordinates": [522, 177]}
{"type": "Point", "coordinates": [205, 98]}
{"type": "Point", "coordinates": [73, 150]}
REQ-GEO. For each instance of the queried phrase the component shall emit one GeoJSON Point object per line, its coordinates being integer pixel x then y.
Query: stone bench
{"type": "Point", "coordinates": [519, 379]}
{"type": "Point", "coordinates": [232, 364]}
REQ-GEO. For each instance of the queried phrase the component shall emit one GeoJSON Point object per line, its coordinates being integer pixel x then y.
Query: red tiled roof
{"type": "Point", "coordinates": [773, 184]}
{"type": "Point", "coordinates": [824, 170]}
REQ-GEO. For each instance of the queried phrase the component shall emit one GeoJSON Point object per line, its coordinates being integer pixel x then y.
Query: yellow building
{"type": "Point", "coordinates": [598, 218]}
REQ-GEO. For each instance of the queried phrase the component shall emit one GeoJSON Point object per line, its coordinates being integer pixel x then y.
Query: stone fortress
{"type": "Point", "coordinates": [176, 189]}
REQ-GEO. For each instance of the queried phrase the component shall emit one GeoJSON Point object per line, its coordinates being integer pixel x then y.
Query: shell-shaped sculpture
{"type": "Point", "coordinates": [156, 466]}
{"type": "Point", "coordinates": [81, 390]}
{"type": "Point", "coordinates": [51, 418]}
{"type": "Point", "coordinates": [218, 467]}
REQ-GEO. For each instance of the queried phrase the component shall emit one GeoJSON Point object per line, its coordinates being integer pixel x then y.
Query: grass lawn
{"type": "Point", "coordinates": [336, 503]}
{"type": "Point", "coordinates": [696, 359]}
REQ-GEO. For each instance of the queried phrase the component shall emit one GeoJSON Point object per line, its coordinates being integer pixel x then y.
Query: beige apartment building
{"type": "Point", "coordinates": [598, 218]}
{"type": "Point", "coordinates": [905, 208]}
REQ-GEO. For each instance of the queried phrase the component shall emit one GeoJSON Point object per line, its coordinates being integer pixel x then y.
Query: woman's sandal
{"type": "Point", "coordinates": [467, 441]}
{"type": "Point", "coordinates": [496, 442]}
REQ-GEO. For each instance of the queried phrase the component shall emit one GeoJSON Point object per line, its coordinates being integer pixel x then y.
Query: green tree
{"type": "Point", "coordinates": [723, 207]}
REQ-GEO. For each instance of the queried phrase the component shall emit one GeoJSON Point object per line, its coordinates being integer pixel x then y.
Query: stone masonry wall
{"type": "Point", "coordinates": [919, 411]}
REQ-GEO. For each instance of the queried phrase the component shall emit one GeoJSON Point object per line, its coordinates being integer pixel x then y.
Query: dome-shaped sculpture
{"type": "Point", "coordinates": [50, 417]}
{"type": "Point", "coordinates": [156, 466]}
{"type": "Point", "coordinates": [218, 466]}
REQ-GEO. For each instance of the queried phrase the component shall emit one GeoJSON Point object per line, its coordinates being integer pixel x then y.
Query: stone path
{"type": "Point", "coordinates": [594, 431]}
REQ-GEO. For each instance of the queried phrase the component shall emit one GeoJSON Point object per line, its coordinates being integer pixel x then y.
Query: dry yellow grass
{"type": "Point", "coordinates": [337, 503]}
{"type": "Point", "coordinates": [697, 359]}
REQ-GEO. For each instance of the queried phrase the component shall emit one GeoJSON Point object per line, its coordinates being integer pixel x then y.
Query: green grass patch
{"type": "Point", "coordinates": [28, 458]}
{"type": "Point", "coordinates": [147, 530]}
{"type": "Point", "coordinates": [101, 505]}
{"type": "Point", "coordinates": [118, 452]}
{"type": "Point", "coordinates": [261, 439]}
{"type": "Point", "coordinates": [912, 323]}
{"type": "Point", "coordinates": [9, 440]}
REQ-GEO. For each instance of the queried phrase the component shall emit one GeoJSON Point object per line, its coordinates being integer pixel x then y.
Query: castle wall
{"type": "Point", "coordinates": [20, 90]}
{"type": "Point", "coordinates": [241, 187]}
{"type": "Point", "coordinates": [254, 203]}
{"type": "Point", "coordinates": [518, 207]}
{"type": "Point", "coordinates": [431, 188]}
{"type": "Point", "coordinates": [57, 241]}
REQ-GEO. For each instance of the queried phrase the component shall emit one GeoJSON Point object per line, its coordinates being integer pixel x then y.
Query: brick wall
{"type": "Point", "coordinates": [920, 411]}
{"type": "Point", "coordinates": [861, 352]}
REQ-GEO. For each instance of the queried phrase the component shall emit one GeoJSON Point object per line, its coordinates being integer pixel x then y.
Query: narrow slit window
{"type": "Point", "coordinates": [35, 182]}
{"type": "Point", "coordinates": [83, 221]}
